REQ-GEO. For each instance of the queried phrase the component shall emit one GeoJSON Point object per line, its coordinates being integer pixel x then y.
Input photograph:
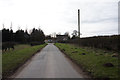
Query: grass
{"type": "Point", "coordinates": [12, 59]}
{"type": "Point", "coordinates": [93, 61]}
{"type": "Point", "coordinates": [17, 47]}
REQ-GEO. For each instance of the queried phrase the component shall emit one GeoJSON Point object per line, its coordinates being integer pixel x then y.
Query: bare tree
{"type": "Point", "coordinates": [75, 33]}
{"type": "Point", "coordinates": [66, 33]}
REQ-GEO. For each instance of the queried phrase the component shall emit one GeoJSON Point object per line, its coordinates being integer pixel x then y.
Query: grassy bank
{"type": "Point", "coordinates": [12, 59]}
{"type": "Point", "coordinates": [92, 60]}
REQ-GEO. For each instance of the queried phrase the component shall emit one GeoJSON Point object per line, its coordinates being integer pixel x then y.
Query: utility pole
{"type": "Point", "coordinates": [79, 23]}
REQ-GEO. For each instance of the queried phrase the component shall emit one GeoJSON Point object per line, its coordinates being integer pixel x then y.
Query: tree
{"type": "Point", "coordinates": [37, 35]}
{"type": "Point", "coordinates": [11, 35]}
{"type": "Point", "coordinates": [20, 36]}
{"type": "Point", "coordinates": [27, 36]}
{"type": "Point", "coordinates": [74, 34]}
{"type": "Point", "coordinates": [6, 35]}
{"type": "Point", "coordinates": [67, 33]}
{"type": "Point", "coordinates": [48, 37]}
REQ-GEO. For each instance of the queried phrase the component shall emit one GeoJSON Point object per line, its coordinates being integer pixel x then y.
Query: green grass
{"type": "Point", "coordinates": [12, 59]}
{"type": "Point", "coordinates": [17, 47]}
{"type": "Point", "coordinates": [93, 60]}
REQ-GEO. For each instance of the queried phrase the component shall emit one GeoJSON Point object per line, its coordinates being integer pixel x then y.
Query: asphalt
{"type": "Point", "coordinates": [50, 62]}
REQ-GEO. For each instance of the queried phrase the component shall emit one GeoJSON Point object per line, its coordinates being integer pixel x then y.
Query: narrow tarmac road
{"type": "Point", "coordinates": [49, 63]}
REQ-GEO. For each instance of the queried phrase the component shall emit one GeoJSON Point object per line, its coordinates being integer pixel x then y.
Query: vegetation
{"type": "Point", "coordinates": [7, 46]}
{"type": "Point", "coordinates": [10, 39]}
{"type": "Point", "coordinates": [37, 36]}
{"type": "Point", "coordinates": [12, 59]}
{"type": "Point", "coordinates": [17, 47]}
{"type": "Point", "coordinates": [14, 53]}
{"type": "Point", "coordinates": [99, 63]}
{"type": "Point", "coordinates": [21, 36]}
{"type": "Point", "coordinates": [103, 42]}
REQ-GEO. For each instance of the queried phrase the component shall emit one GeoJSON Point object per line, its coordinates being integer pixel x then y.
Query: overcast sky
{"type": "Point", "coordinates": [98, 17]}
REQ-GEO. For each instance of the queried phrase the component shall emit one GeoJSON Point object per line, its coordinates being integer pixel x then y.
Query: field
{"type": "Point", "coordinates": [12, 59]}
{"type": "Point", "coordinates": [92, 60]}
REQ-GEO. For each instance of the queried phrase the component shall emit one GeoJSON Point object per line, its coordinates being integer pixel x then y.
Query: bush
{"type": "Point", "coordinates": [7, 45]}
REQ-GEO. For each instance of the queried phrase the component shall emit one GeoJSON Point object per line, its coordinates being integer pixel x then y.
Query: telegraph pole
{"type": "Point", "coordinates": [79, 23]}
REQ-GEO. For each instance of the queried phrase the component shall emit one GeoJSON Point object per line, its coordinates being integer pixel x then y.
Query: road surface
{"type": "Point", "coordinates": [49, 63]}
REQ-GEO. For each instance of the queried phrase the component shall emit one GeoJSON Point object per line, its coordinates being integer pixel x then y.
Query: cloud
{"type": "Point", "coordinates": [101, 20]}
{"type": "Point", "coordinates": [61, 15]}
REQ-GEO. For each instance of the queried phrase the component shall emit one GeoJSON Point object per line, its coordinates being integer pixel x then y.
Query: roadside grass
{"type": "Point", "coordinates": [17, 47]}
{"type": "Point", "coordinates": [92, 61]}
{"type": "Point", "coordinates": [12, 59]}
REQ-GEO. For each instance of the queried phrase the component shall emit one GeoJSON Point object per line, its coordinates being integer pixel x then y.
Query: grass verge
{"type": "Point", "coordinates": [13, 59]}
{"type": "Point", "coordinates": [92, 60]}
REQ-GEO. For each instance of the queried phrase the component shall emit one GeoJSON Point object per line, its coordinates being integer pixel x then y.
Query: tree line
{"type": "Point", "coordinates": [36, 37]}
{"type": "Point", "coordinates": [21, 36]}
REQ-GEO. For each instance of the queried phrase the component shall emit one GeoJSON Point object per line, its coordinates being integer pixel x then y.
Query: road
{"type": "Point", "coordinates": [49, 63]}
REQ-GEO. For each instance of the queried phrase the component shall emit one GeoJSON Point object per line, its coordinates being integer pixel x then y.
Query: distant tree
{"type": "Point", "coordinates": [20, 36]}
{"type": "Point", "coordinates": [67, 33]}
{"type": "Point", "coordinates": [11, 35]}
{"type": "Point", "coordinates": [6, 35]}
{"type": "Point", "coordinates": [37, 35]}
{"type": "Point", "coordinates": [48, 37]}
{"type": "Point", "coordinates": [74, 34]}
{"type": "Point", "coordinates": [27, 36]}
